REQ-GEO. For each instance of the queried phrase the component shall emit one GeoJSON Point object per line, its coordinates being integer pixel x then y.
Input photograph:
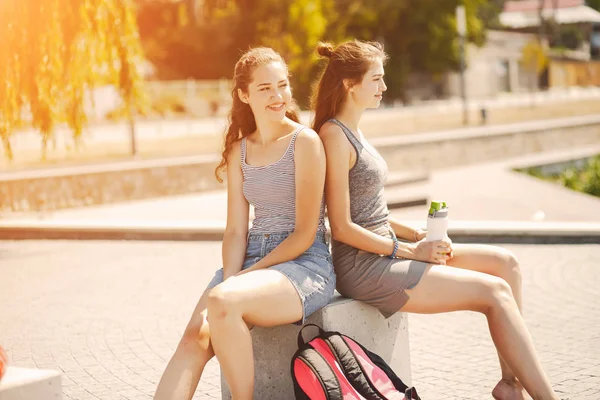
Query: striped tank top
{"type": "Point", "coordinates": [271, 190]}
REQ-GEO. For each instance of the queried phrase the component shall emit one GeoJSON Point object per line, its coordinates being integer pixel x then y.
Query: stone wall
{"type": "Point", "coordinates": [476, 145]}
{"type": "Point", "coordinates": [75, 187]}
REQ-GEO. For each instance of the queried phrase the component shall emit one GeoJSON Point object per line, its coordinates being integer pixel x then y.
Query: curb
{"type": "Point", "coordinates": [111, 230]}
{"type": "Point", "coordinates": [525, 232]}
{"type": "Point", "coordinates": [516, 232]}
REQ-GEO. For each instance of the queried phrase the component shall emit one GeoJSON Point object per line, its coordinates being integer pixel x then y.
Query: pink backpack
{"type": "Point", "coordinates": [333, 366]}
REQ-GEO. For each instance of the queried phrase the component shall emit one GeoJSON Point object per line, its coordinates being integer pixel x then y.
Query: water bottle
{"type": "Point", "coordinates": [437, 221]}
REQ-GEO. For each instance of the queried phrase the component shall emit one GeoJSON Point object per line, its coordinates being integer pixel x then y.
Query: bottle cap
{"type": "Point", "coordinates": [437, 206]}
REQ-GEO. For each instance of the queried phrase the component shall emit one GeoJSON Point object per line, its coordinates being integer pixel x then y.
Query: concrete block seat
{"type": "Point", "coordinates": [274, 347]}
{"type": "Point", "coordinates": [29, 384]}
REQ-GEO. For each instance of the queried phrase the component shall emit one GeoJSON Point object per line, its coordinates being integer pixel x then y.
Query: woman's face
{"type": "Point", "coordinates": [269, 93]}
{"type": "Point", "coordinates": [369, 91]}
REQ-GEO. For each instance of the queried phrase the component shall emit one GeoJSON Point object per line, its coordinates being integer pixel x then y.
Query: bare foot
{"type": "Point", "coordinates": [508, 390]}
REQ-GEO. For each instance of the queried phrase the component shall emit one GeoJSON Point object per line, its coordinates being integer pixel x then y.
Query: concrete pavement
{"type": "Point", "coordinates": [109, 315]}
{"type": "Point", "coordinates": [493, 191]}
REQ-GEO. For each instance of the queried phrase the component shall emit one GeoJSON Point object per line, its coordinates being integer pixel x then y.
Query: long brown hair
{"type": "Point", "coordinates": [241, 120]}
{"type": "Point", "coordinates": [350, 60]}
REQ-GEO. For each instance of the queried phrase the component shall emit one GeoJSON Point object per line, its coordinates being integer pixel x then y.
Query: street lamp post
{"type": "Point", "coordinates": [461, 28]}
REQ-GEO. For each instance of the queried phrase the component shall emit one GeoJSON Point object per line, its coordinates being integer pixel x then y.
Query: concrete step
{"type": "Point", "coordinates": [30, 384]}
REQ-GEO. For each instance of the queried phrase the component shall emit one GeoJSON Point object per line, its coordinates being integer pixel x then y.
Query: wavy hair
{"type": "Point", "coordinates": [349, 61]}
{"type": "Point", "coordinates": [241, 122]}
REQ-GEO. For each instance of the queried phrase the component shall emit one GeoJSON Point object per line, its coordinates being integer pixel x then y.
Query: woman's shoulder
{"type": "Point", "coordinates": [306, 133]}
{"type": "Point", "coordinates": [236, 148]}
{"type": "Point", "coordinates": [307, 138]}
{"type": "Point", "coordinates": [333, 135]}
{"type": "Point", "coordinates": [331, 130]}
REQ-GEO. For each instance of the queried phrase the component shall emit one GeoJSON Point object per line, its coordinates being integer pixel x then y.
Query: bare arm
{"type": "Point", "coordinates": [238, 216]}
{"type": "Point", "coordinates": [337, 192]}
{"type": "Point", "coordinates": [309, 159]}
{"type": "Point", "coordinates": [406, 232]}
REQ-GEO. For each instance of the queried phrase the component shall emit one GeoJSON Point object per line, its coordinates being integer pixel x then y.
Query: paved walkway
{"type": "Point", "coordinates": [494, 192]}
{"type": "Point", "coordinates": [109, 315]}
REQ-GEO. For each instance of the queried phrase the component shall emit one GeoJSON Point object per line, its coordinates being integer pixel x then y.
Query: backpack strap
{"type": "Point", "coordinates": [301, 341]}
{"type": "Point", "coordinates": [411, 394]}
{"type": "Point", "coordinates": [341, 345]}
{"type": "Point", "coordinates": [380, 362]}
{"type": "Point", "coordinates": [352, 368]}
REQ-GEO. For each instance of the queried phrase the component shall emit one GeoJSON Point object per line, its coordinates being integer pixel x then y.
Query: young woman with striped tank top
{"type": "Point", "coordinates": [409, 274]}
{"type": "Point", "coordinates": [279, 271]}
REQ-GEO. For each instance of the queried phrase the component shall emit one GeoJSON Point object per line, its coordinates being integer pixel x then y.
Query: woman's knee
{"type": "Point", "coordinates": [510, 260]}
{"type": "Point", "coordinates": [495, 293]}
{"type": "Point", "coordinates": [222, 302]}
{"type": "Point", "coordinates": [509, 264]}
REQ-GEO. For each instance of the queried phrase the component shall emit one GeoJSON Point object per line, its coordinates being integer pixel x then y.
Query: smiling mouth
{"type": "Point", "coordinates": [276, 106]}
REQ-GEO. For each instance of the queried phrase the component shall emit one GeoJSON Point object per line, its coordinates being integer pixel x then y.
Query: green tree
{"type": "Point", "coordinates": [183, 45]}
{"type": "Point", "coordinates": [294, 32]}
{"type": "Point", "coordinates": [291, 27]}
{"type": "Point", "coordinates": [418, 35]}
{"type": "Point", "coordinates": [54, 52]}
{"type": "Point", "coordinates": [595, 4]}
{"type": "Point", "coordinates": [534, 60]}
{"type": "Point", "coordinates": [489, 13]}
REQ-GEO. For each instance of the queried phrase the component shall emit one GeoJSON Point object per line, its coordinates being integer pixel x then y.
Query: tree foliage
{"type": "Point", "coordinates": [534, 58]}
{"type": "Point", "coordinates": [54, 52]}
{"type": "Point", "coordinates": [595, 4]}
{"type": "Point", "coordinates": [418, 35]}
{"type": "Point", "coordinates": [183, 45]}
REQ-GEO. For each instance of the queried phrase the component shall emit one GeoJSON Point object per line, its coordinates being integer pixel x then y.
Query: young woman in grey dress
{"type": "Point", "coordinates": [280, 271]}
{"type": "Point", "coordinates": [386, 264]}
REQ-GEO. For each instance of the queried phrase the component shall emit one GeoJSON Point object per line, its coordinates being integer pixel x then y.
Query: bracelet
{"type": "Point", "coordinates": [393, 255]}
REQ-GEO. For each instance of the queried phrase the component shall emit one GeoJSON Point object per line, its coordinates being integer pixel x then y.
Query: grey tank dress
{"type": "Point", "coordinates": [374, 279]}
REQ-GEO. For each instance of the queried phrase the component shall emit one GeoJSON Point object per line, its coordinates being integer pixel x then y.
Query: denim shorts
{"type": "Point", "coordinates": [311, 273]}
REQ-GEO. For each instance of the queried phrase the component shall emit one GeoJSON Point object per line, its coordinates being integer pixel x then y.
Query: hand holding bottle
{"type": "Point", "coordinates": [436, 252]}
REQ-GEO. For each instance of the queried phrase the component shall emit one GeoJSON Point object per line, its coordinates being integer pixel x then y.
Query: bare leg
{"type": "Point", "coordinates": [502, 263]}
{"type": "Point", "coordinates": [263, 298]}
{"type": "Point", "coordinates": [446, 289]}
{"type": "Point", "coordinates": [181, 377]}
